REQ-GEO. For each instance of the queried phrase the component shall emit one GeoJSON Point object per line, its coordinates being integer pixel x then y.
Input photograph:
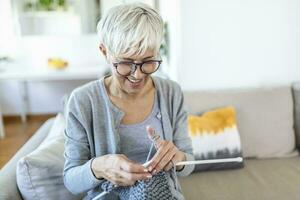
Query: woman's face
{"type": "Point", "coordinates": [136, 81]}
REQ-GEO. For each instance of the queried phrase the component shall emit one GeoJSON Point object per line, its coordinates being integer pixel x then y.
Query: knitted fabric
{"type": "Point", "coordinates": [155, 188]}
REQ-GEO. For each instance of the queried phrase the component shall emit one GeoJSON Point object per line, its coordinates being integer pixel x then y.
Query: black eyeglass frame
{"type": "Point", "coordinates": [135, 65]}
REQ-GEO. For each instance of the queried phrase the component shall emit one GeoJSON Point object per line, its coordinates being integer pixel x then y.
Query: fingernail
{"type": "Point", "coordinates": [154, 172]}
{"type": "Point", "coordinates": [149, 176]}
{"type": "Point", "coordinates": [150, 168]}
{"type": "Point", "coordinates": [146, 170]}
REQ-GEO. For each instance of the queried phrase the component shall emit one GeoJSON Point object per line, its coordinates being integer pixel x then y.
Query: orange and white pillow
{"type": "Point", "coordinates": [215, 135]}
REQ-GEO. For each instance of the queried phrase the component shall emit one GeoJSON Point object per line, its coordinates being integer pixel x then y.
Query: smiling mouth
{"type": "Point", "coordinates": [134, 80]}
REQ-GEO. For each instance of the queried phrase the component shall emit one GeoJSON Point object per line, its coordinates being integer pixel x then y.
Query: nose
{"type": "Point", "coordinates": [138, 74]}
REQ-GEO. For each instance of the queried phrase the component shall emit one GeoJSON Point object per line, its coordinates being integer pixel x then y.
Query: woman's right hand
{"type": "Point", "coordinates": [119, 170]}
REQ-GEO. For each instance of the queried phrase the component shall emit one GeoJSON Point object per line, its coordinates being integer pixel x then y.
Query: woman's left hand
{"type": "Point", "coordinates": [167, 154]}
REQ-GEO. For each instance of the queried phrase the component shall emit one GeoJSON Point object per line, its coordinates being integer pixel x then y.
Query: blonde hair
{"type": "Point", "coordinates": [131, 29]}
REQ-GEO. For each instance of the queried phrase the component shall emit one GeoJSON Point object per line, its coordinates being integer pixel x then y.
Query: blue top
{"type": "Point", "coordinates": [93, 130]}
{"type": "Point", "coordinates": [134, 140]}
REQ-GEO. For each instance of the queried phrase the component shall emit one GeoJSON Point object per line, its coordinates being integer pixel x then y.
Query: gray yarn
{"type": "Point", "coordinates": [155, 188]}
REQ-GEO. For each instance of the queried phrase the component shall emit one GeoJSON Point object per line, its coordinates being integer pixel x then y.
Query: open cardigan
{"type": "Point", "coordinates": [92, 130]}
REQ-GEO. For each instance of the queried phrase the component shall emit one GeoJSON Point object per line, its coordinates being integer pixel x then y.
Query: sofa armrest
{"type": "Point", "coordinates": [296, 96]}
{"type": "Point", "coordinates": [8, 183]}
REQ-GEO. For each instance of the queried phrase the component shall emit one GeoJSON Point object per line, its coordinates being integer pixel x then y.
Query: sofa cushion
{"type": "Point", "coordinates": [8, 183]}
{"type": "Point", "coordinates": [264, 116]}
{"type": "Point", "coordinates": [40, 173]}
{"type": "Point", "coordinates": [215, 135]}
{"type": "Point", "coordinates": [274, 179]}
{"type": "Point", "coordinates": [296, 95]}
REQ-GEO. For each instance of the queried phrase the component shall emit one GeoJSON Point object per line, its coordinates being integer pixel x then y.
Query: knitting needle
{"type": "Point", "coordinates": [197, 162]}
{"type": "Point", "coordinates": [100, 195]}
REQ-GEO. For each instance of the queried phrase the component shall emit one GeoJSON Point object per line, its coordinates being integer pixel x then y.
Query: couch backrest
{"type": "Point", "coordinates": [296, 95]}
{"type": "Point", "coordinates": [264, 117]}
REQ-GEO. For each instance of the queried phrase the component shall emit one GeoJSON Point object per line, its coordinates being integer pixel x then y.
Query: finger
{"type": "Point", "coordinates": [166, 160]}
{"type": "Point", "coordinates": [159, 142]}
{"type": "Point", "coordinates": [115, 177]}
{"type": "Point", "coordinates": [153, 136]}
{"type": "Point", "coordinates": [168, 166]}
{"type": "Point", "coordinates": [151, 132]}
{"type": "Point", "coordinates": [132, 167]}
{"type": "Point", "coordinates": [159, 155]}
{"type": "Point", "coordinates": [118, 178]}
{"type": "Point", "coordinates": [123, 182]}
{"type": "Point", "coordinates": [135, 176]}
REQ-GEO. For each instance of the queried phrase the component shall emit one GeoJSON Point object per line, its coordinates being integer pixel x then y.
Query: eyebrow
{"type": "Point", "coordinates": [129, 59]}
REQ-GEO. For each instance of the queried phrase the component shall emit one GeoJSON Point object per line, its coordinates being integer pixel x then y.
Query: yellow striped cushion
{"type": "Point", "coordinates": [214, 136]}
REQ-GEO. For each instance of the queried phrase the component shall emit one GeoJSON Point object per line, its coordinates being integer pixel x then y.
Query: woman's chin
{"type": "Point", "coordinates": [133, 87]}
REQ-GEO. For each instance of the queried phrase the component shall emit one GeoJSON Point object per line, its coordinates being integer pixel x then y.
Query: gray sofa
{"type": "Point", "coordinates": [263, 115]}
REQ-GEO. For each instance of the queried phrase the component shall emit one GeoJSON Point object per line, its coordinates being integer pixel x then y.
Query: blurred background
{"type": "Point", "coordinates": [49, 47]}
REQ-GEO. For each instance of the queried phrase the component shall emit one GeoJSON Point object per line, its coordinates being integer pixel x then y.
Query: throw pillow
{"type": "Point", "coordinates": [40, 173]}
{"type": "Point", "coordinates": [215, 135]}
{"type": "Point", "coordinates": [265, 125]}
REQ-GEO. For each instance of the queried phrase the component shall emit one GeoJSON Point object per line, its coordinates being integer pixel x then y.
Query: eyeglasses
{"type": "Point", "coordinates": [125, 68]}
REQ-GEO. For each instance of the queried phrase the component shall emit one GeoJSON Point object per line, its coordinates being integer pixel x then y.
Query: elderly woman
{"type": "Point", "coordinates": [107, 138]}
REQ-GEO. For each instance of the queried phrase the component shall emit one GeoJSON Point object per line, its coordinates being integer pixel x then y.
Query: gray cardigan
{"type": "Point", "coordinates": [92, 123]}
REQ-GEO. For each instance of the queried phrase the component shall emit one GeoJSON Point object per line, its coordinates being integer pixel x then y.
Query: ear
{"type": "Point", "coordinates": [103, 50]}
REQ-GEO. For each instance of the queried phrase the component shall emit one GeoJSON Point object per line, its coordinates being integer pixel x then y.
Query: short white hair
{"type": "Point", "coordinates": [131, 29]}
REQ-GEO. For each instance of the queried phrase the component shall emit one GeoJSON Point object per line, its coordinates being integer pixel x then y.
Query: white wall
{"type": "Point", "coordinates": [7, 33]}
{"type": "Point", "coordinates": [107, 4]}
{"type": "Point", "coordinates": [236, 43]}
{"type": "Point", "coordinates": [214, 44]}
{"type": "Point", "coordinates": [171, 13]}
{"type": "Point", "coordinates": [77, 49]}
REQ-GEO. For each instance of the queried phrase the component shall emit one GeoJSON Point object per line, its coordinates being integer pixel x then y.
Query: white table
{"type": "Point", "coordinates": [24, 74]}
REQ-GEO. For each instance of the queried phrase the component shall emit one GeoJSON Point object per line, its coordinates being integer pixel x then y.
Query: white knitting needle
{"type": "Point", "coordinates": [100, 195]}
{"type": "Point", "coordinates": [197, 162]}
{"type": "Point", "coordinates": [154, 136]}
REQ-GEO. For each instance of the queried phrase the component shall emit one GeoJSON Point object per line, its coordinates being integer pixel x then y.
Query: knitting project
{"type": "Point", "coordinates": [155, 188]}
